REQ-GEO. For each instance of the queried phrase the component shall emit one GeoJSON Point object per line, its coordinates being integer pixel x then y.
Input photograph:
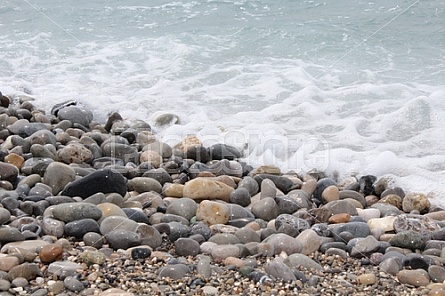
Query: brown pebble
{"type": "Point", "coordinates": [331, 193]}
{"type": "Point", "coordinates": [339, 218]}
{"type": "Point", "coordinates": [51, 253]}
{"type": "Point", "coordinates": [15, 160]}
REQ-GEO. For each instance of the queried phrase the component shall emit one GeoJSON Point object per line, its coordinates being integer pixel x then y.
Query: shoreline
{"type": "Point", "coordinates": [89, 207]}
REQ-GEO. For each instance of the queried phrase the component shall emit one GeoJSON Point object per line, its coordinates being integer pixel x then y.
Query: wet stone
{"type": "Point", "coordinates": [140, 253]}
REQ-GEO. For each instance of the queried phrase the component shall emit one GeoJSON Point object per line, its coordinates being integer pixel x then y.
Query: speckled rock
{"type": "Point", "coordinates": [416, 223]}
{"type": "Point", "coordinates": [410, 240]}
{"type": "Point", "coordinates": [416, 201]}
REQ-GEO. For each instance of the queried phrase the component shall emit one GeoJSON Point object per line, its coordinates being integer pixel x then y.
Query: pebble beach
{"type": "Point", "coordinates": [90, 208]}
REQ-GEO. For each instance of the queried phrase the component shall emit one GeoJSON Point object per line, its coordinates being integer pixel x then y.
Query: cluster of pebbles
{"type": "Point", "coordinates": [108, 209]}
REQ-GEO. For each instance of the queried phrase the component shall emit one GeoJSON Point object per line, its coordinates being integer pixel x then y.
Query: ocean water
{"type": "Point", "coordinates": [346, 87]}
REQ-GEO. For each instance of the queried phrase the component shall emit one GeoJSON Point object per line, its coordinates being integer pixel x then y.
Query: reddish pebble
{"type": "Point", "coordinates": [51, 253]}
{"type": "Point", "coordinates": [339, 218]}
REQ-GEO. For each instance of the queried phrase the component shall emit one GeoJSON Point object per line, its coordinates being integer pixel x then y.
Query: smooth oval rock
{"type": "Point", "coordinates": [75, 211]}
{"type": "Point", "coordinates": [207, 189]}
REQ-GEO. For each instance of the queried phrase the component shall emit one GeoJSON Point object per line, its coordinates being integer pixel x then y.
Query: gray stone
{"type": "Point", "coordinates": [76, 115]}
{"type": "Point", "coordinates": [186, 247]}
{"type": "Point", "coordinates": [150, 236]}
{"type": "Point", "coordinates": [436, 273]}
{"type": "Point", "coordinates": [224, 239]}
{"type": "Point", "coordinates": [64, 268]}
{"type": "Point", "coordinates": [247, 235]}
{"type": "Point", "coordinates": [184, 207]}
{"type": "Point", "coordinates": [410, 240]}
{"type": "Point", "coordinates": [296, 223]}
{"type": "Point", "coordinates": [241, 196]}
{"type": "Point", "coordinates": [284, 243]}
{"type": "Point", "coordinates": [76, 211]}
{"type": "Point", "coordinates": [356, 229]}
{"type": "Point", "coordinates": [10, 234]}
{"type": "Point", "coordinates": [250, 184]}
{"type": "Point", "coordinates": [73, 284]}
{"type": "Point", "coordinates": [28, 271]}
{"type": "Point", "coordinates": [294, 261]}
{"type": "Point", "coordinates": [417, 223]}
{"type": "Point", "coordinates": [143, 184]}
{"type": "Point", "coordinates": [79, 228]}
{"type": "Point", "coordinates": [364, 247]}
{"type": "Point", "coordinates": [278, 270]}
{"type": "Point", "coordinates": [117, 223]}
{"type": "Point", "coordinates": [173, 271]}
{"type": "Point", "coordinates": [93, 239]}
{"type": "Point", "coordinates": [221, 252]}
{"type": "Point", "coordinates": [391, 265]}
{"type": "Point", "coordinates": [238, 212]}
{"type": "Point", "coordinates": [266, 209]}
{"type": "Point", "coordinates": [51, 226]}
{"type": "Point", "coordinates": [341, 207]}
{"type": "Point", "coordinates": [58, 175]}
{"type": "Point", "coordinates": [5, 215]}
{"type": "Point", "coordinates": [122, 239]}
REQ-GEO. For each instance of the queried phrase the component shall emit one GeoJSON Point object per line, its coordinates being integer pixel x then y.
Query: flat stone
{"type": "Point", "coordinates": [221, 252]}
{"type": "Point", "coordinates": [436, 273]}
{"type": "Point", "coordinates": [8, 262]}
{"type": "Point", "coordinates": [8, 172]}
{"type": "Point", "coordinates": [93, 257]}
{"type": "Point", "coordinates": [73, 284]}
{"type": "Point", "coordinates": [416, 223]}
{"type": "Point", "coordinates": [28, 271]}
{"type": "Point", "coordinates": [364, 247]}
{"type": "Point", "coordinates": [296, 260]}
{"type": "Point", "coordinates": [173, 271]}
{"type": "Point", "coordinates": [356, 229]}
{"type": "Point", "coordinates": [385, 223]}
{"type": "Point", "coordinates": [330, 193]}
{"type": "Point", "coordinates": [68, 212]}
{"type": "Point", "coordinates": [10, 234]}
{"type": "Point", "coordinates": [341, 207]}
{"type": "Point", "coordinates": [64, 268]}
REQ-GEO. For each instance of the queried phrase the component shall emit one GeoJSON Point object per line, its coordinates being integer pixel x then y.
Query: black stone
{"type": "Point", "coordinates": [223, 151]}
{"type": "Point", "coordinates": [79, 228]}
{"type": "Point", "coordinates": [57, 107]}
{"type": "Point", "coordinates": [367, 184]}
{"type": "Point", "coordinates": [159, 175]}
{"type": "Point", "coordinates": [198, 153]}
{"type": "Point", "coordinates": [136, 215]}
{"type": "Point", "coordinates": [282, 183]}
{"type": "Point", "coordinates": [105, 181]}
{"type": "Point", "coordinates": [140, 253]}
